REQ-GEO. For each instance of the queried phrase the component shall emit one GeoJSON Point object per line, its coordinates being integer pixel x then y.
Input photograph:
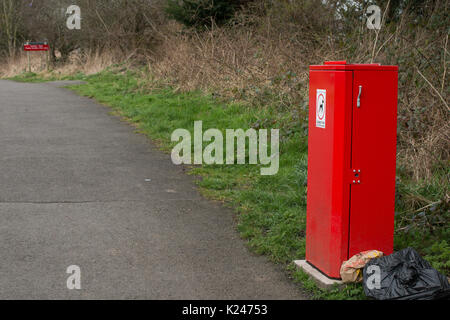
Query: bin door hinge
{"type": "Point", "coordinates": [355, 176]}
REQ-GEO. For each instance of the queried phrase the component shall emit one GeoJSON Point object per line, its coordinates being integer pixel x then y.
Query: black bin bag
{"type": "Point", "coordinates": [404, 275]}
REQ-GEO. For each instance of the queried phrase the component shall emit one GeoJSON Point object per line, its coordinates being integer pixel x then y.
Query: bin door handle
{"type": "Point", "coordinates": [358, 101]}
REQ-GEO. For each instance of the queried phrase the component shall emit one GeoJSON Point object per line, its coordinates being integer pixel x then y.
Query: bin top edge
{"type": "Point", "coordinates": [329, 65]}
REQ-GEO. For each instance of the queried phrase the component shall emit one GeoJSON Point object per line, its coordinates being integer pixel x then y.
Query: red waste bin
{"type": "Point", "coordinates": [351, 162]}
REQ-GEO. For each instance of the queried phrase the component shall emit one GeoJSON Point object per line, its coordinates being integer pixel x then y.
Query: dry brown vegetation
{"type": "Point", "coordinates": [262, 57]}
{"type": "Point", "coordinates": [87, 63]}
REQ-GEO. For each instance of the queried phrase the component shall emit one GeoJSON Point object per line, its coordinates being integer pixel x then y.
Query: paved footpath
{"type": "Point", "coordinates": [74, 190]}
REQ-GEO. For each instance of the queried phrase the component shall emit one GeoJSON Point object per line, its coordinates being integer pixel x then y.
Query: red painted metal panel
{"type": "Point", "coordinates": [351, 162]}
{"type": "Point", "coordinates": [374, 153]}
{"type": "Point", "coordinates": [328, 159]}
{"type": "Point", "coordinates": [335, 62]}
{"type": "Point", "coordinates": [342, 65]}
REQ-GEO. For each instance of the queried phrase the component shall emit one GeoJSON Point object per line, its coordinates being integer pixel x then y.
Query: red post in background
{"type": "Point", "coordinates": [36, 46]}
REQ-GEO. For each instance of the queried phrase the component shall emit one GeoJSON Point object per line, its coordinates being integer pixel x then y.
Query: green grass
{"type": "Point", "coordinates": [30, 77]}
{"type": "Point", "coordinates": [36, 78]}
{"type": "Point", "coordinates": [271, 210]}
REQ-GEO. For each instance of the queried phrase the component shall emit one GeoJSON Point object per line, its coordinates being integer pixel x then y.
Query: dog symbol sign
{"type": "Point", "coordinates": [321, 102]}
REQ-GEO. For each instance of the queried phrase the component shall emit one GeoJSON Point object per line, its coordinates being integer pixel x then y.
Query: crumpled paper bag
{"type": "Point", "coordinates": [351, 270]}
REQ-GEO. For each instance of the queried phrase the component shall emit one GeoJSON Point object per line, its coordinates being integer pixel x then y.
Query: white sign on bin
{"type": "Point", "coordinates": [321, 107]}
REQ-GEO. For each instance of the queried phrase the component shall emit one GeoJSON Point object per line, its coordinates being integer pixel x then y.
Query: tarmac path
{"type": "Point", "coordinates": [79, 187]}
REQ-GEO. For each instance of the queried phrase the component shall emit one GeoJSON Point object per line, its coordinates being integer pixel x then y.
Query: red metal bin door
{"type": "Point", "coordinates": [374, 131]}
{"type": "Point", "coordinates": [328, 162]}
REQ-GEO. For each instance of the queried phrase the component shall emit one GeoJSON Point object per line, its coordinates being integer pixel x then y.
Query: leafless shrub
{"type": "Point", "coordinates": [264, 56]}
{"type": "Point", "coordinates": [261, 57]}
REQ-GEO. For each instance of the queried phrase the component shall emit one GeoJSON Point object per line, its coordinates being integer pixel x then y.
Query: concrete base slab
{"type": "Point", "coordinates": [322, 281]}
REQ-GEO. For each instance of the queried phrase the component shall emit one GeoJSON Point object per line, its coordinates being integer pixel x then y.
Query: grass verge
{"type": "Point", "coordinates": [45, 77]}
{"type": "Point", "coordinates": [271, 210]}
